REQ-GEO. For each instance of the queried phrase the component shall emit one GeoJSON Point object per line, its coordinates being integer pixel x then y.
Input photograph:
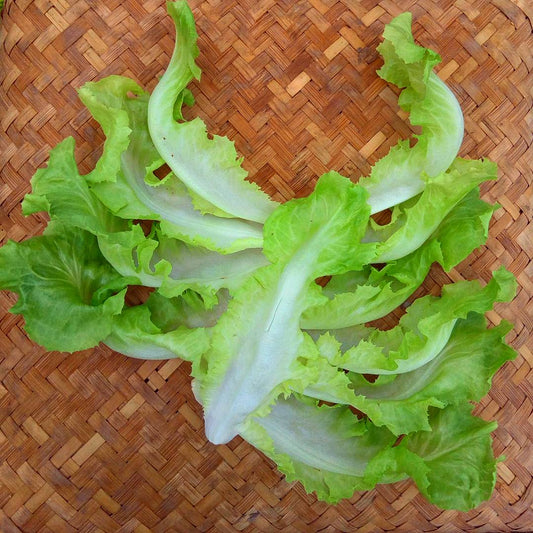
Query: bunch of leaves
{"type": "Point", "coordinates": [284, 362]}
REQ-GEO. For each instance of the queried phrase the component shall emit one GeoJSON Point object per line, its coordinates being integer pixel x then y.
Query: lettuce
{"type": "Point", "coordinates": [453, 465]}
{"type": "Point", "coordinates": [424, 330]}
{"type": "Point", "coordinates": [304, 239]}
{"type": "Point", "coordinates": [414, 222]}
{"type": "Point", "coordinates": [401, 401]}
{"type": "Point", "coordinates": [399, 176]}
{"type": "Point", "coordinates": [333, 453]}
{"type": "Point", "coordinates": [129, 189]}
{"type": "Point", "coordinates": [153, 261]}
{"type": "Point", "coordinates": [135, 334]}
{"type": "Point", "coordinates": [63, 193]}
{"type": "Point", "coordinates": [327, 449]}
{"type": "Point", "coordinates": [209, 167]}
{"type": "Point", "coordinates": [175, 266]}
{"type": "Point", "coordinates": [371, 293]}
{"type": "Point", "coordinates": [66, 290]}
{"type": "Point", "coordinates": [238, 282]}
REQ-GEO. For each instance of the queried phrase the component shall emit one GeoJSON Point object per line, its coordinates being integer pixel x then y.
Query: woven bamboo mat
{"type": "Point", "coordinates": [98, 442]}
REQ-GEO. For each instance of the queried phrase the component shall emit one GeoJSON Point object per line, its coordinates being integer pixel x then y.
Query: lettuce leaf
{"type": "Point", "coordinates": [188, 310]}
{"type": "Point", "coordinates": [401, 404]}
{"type": "Point", "coordinates": [61, 191]}
{"type": "Point", "coordinates": [359, 297]}
{"type": "Point", "coordinates": [175, 266]}
{"type": "Point", "coordinates": [401, 401]}
{"type": "Point", "coordinates": [414, 221]}
{"type": "Point", "coordinates": [66, 290]}
{"type": "Point", "coordinates": [333, 453]}
{"type": "Point", "coordinates": [327, 449]}
{"type": "Point", "coordinates": [400, 174]}
{"type": "Point", "coordinates": [135, 334]}
{"type": "Point", "coordinates": [255, 344]}
{"type": "Point", "coordinates": [130, 193]}
{"type": "Point", "coordinates": [424, 330]}
{"type": "Point", "coordinates": [209, 167]}
{"type": "Point", "coordinates": [453, 465]}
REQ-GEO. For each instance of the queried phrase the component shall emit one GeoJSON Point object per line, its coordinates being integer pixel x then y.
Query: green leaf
{"type": "Point", "coordinates": [208, 166]}
{"type": "Point", "coordinates": [125, 189]}
{"type": "Point", "coordinates": [255, 345]}
{"type": "Point", "coordinates": [402, 403]}
{"type": "Point", "coordinates": [362, 296]}
{"type": "Point", "coordinates": [188, 310]}
{"type": "Point", "coordinates": [326, 225]}
{"type": "Point", "coordinates": [425, 329]}
{"type": "Point", "coordinates": [464, 229]}
{"type": "Point", "coordinates": [359, 297]}
{"type": "Point", "coordinates": [453, 464]}
{"type": "Point", "coordinates": [327, 449]}
{"type": "Point", "coordinates": [135, 334]}
{"type": "Point", "coordinates": [175, 266]}
{"type": "Point", "coordinates": [59, 190]}
{"type": "Point", "coordinates": [115, 94]}
{"type": "Point", "coordinates": [414, 221]}
{"type": "Point", "coordinates": [63, 283]}
{"type": "Point", "coordinates": [399, 175]}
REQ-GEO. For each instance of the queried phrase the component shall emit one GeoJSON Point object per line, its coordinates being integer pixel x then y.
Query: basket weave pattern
{"type": "Point", "coordinates": [98, 442]}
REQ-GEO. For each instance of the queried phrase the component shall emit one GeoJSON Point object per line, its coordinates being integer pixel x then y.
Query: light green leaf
{"type": "Point", "coordinates": [425, 329]}
{"type": "Point", "coordinates": [208, 166]}
{"type": "Point", "coordinates": [255, 344]}
{"type": "Point", "coordinates": [175, 266]}
{"type": "Point", "coordinates": [128, 194]}
{"type": "Point", "coordinates": [327, 449]}
{"type": "Point", "coordinates": [453, 464]}
{"type": "Point", "coordinates": [461, 372]}
{"type": "Point", "coordinates": [359, 297]}
{"type": "Point", "coordinates": [59, 190]}
{"type": "Point", "coordinates": [414, 221]}
{"type": "Point", "coordinates": [306, 224]}
{"type": "Point", "coordinates": [135, 334]}
{"type": "Point", "coordinates": [399, 175]}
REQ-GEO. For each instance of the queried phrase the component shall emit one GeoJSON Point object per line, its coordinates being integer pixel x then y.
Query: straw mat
{"type": "Point", "coordinates": [98, 442]}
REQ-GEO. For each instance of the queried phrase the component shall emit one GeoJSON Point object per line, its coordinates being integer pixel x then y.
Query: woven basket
{"type": "Point", "coordinates": [98, 442]}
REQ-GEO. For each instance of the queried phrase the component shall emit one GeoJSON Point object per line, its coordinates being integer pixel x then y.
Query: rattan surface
{"type": "Point", "coordinates": [98, 442]}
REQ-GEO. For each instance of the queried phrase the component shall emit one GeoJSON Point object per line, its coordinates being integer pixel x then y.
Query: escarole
{"type": "Point", "coordinates": [400, 174]}
{"type": "Point", "coordinates": [271, 303]}
{"type": "Point", "coordinates": [210, 167]}
{"type": "Point", "coordinates": [304, 239]}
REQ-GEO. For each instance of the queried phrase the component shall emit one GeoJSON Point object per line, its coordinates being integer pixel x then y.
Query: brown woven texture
{"type": "Point", "coordinates": [98, 442]}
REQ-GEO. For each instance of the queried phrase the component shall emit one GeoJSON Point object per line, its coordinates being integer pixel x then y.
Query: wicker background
{"type": "Point", "coordinates": [98, 442]}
